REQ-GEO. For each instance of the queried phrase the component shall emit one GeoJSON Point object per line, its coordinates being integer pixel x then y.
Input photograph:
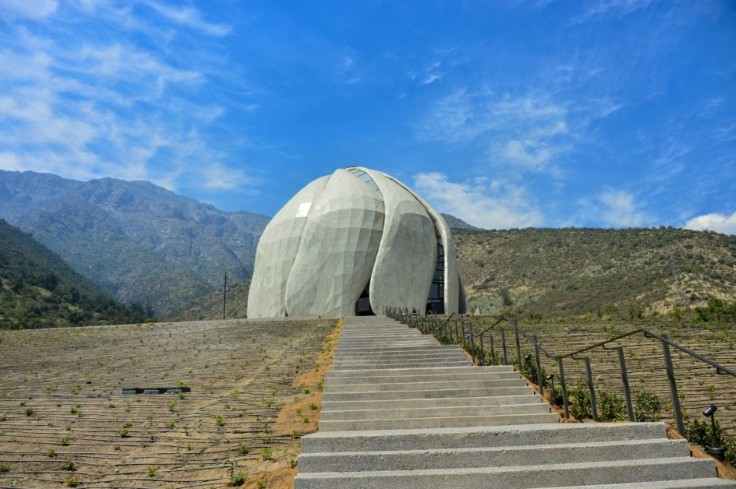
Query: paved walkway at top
{"type": "Point", "coordinates": [401, 411]}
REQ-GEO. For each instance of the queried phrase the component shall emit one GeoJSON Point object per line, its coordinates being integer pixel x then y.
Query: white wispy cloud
{"type": "Point", "coordinates": [615, 208]}
{"type": "Point", "coordinates": [189, 17]}
{"type": "Point", "coordinates": [491, 204]}
{"type": "Point", "coordinates": [30, 9]}
{"type": "Point", "coordinates": [720, 223]}
{"type": "Point", "coordinates": [529, 130]}
{"type": "Point", "coordinates": [87, 107]}
{"type": "Point", "coordinates": [611, 9]}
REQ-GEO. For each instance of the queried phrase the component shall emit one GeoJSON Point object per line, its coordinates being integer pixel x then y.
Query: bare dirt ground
{"type": "Point", "coordinates": [255, 390]}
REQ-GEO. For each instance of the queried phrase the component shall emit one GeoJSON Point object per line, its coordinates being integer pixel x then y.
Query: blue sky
{"type": "Point", "coordinates": [609, 113]}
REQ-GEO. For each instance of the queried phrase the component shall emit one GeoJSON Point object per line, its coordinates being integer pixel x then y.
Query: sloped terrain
{"type": "Point", "coordinates": [64, 418]}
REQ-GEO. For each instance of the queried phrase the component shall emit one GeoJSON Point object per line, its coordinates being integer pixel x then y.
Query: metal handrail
{"type": "Point", "coordinates": [440, 329]}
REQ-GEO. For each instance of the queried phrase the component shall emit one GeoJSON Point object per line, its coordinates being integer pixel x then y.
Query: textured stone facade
{"type": "Point", "coordinates": [358, 236]}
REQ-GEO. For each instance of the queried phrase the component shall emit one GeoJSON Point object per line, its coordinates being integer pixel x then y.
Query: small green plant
{"type": "Point", "coordinates": [580, 406]}
{"type": "Point", "coordinates": [124, 433]}
{"type": "Point", "coordinates": [72, 482]}
{"type": "Point", "coordinates": [151, 471]}
{"type": "Point", "coordinates": [51, 453]}
{"type": "Point", "coordinates": [3, 416]}
{"type": "Point", "coordinates": [261, 483]}
{"type": "Point", "coordinates": [321, 384]}
{"type": "Point", "coordinates": [128, 425]}
{"type": "Point", "coordinates": [29, 411]}
{"type": "Point", "coordinates": [218, 420]}
{"type": "Point", "coordinates": [170, 423]}
{"type": "Point", "coordinates": [305, 418]}
{"type": "Point", "coordinates": [171, 405]}
{"type": "Point", "coordinates": [647, 407]}
{"type": "Point", "coordinates": [294, 434]}
{"type": "Point", "coordinates": [68, 466]}
{"type": "Point", "coordinates": [238, 479]}
{"type": "Point", "coordinates": [611, 406]}
{"type": "Point", "coordinates": [243, 449]}
{"type": "Point", "coordinates": [293, 463]}
{"type": "Point", "coordinates": [65, 440]}
{"type": "Point", "coordinates": [270, 402]}
{"type": "Point", "coordinates": [266, 454]}
{"type": "Point", "coordinates": [189, 446]}
{"type": "Point", "coordinates": [306, 390]}
{"type": "Point", "coordinates": [4, 467]}
{"type": "Point", "coordinates": [313, 406]}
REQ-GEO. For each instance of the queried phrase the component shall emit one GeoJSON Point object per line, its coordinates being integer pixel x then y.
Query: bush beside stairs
{"type": "Point", "coordinates": [401, 411]}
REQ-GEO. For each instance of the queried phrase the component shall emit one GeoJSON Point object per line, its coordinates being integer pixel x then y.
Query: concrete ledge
{"type": "Point", "coordinates": [437, 422]}
{"type": "Point", "coordinates": [496, 436]}
{"type": "Point", "coordinates": [467, 402]}
{"type": "Point", "coordinates": [492, 457]}
{"type": "Point", "coordinates": [551, 475]}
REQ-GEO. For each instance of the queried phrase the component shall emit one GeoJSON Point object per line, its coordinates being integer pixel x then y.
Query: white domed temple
{"type": "Point", "coordinates": [353, 243]}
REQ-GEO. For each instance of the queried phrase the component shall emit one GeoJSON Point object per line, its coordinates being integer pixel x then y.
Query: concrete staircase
{"type": "Point", "coordinates": [401, 411]}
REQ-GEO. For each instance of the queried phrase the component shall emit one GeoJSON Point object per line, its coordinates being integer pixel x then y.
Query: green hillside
{"type": "Point", "coordinates": [573, 271]}
{"type": "Point", "coordinates": [37, 289]}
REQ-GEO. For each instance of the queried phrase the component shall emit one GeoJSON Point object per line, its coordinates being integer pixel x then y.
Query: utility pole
{"type": "Point", "coordinates": [224, 296]}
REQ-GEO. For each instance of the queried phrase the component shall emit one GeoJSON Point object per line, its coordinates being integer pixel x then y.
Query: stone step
{"type": "Point", "coordinates": [357, 378]}
{"type": "Point", "coordinates": [401, 411]}
{"type": "Point", "coordinates": [440, 363]}
{"type": "Point", "coordinates": [392, 348]}
{"type": "Point", "coordinates": [499, 436]}
{"type": "Point", "coordinates": [430, 394]}
{"type": "Point", "coordinates": [424, 412]}
{"type": "Point", "coordinates": [520, 477]}
{"type": "Point", "coordinates": [426, 386]}
{"type": "Point", "coordinates": [469, 369]}
{"type": "Point", "coordinates": [390, 357]}
{"type": "Point", "coordinates": [436, 422]}
{"type": "Point", "coordinates": [492, 456]}
{"type": "Point", "coordinates": [707, 483]}
{"type": "Point", "coordinates": [529, 398]}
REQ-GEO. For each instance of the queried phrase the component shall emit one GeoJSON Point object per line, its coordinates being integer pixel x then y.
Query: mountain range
{"type": "Point", "coordinates": [137, 241]}
{"type": "Point", "coordinates": [152, 248]}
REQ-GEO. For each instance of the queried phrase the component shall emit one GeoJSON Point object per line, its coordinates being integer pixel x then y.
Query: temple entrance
{"type": "Point", "coordinates": [363, 304]}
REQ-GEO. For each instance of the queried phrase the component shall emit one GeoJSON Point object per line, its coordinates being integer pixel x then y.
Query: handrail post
{"type": "Point", "coordinates": [563, 384]}
{"type": "Point", "coordinates": [503, 341]}
{"type": "Point", "coordinates": [673, 387]}
{"type": "Point", "coordinates": [518, 348]}
{"type": "Point", "coordinates": [457, 335]}
{"type": "Point", "coordinates": [625, 382]}
{"type": "Point", "coordinates": [462, 325]}
{"type": "Point", "coordinates": [482, 352]}
{"type": "Point", "coordinates": [591, 388]}
{"type": "Point", "coordinates": [540, 377]}
{"type": "Point", "coordinates": [493, 353]}
{"type": "Point", "coordinates": [472, 341]}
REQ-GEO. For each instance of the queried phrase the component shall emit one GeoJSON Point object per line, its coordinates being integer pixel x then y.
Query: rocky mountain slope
{"type": "Point", "coordinates": [573, 271]}
{"type": "Point", "coordinates": [138, 241]}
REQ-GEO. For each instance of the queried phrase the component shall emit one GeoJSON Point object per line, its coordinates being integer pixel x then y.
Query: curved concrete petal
{"type": "Point", "coordinates": [337, 251]}
{"type": "Point", "coordinates": [406, 256]}
{"type": "Point", "coordinates": [451, 283]}
{"type": "Point", "coordinates": [277, 250]}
